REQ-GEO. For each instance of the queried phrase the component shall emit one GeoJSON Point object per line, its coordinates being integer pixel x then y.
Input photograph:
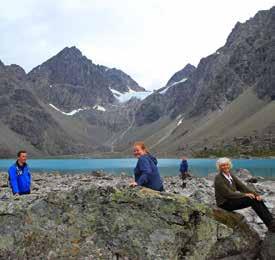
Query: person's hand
{"type": "Point", "coordinates": [133, 184]}
{"type": "Point", "coordinates": [250, 195]}
{"type": "Point", "coordinates": [258, 198]}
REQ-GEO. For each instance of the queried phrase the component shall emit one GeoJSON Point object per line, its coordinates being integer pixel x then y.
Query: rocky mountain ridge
{"type": "Point", "coordinates": [71, 81]}
{"type": "Point", "coordinates": [69, 105]}
{"type": "Point", "coordinates": [245, 61]}
{"type": "Point", "coordinates": [65, 106]}
{"type": "Point", "coordinates": [229, 96]}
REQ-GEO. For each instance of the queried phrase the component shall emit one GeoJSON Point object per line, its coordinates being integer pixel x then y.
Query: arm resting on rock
{"type": "Point", "coordinates": [145, 170]}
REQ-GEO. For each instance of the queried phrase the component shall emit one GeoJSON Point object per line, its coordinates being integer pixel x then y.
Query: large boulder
{"type": "Point", "coordinates": [93, 222]}
{"type": "Point", "coordinates": [268, 247]}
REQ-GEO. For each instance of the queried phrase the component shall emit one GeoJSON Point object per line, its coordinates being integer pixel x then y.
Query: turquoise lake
{"type": "Point", "coordinates": [167, 167]}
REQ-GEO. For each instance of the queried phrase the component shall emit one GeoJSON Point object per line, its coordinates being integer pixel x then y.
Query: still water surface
{"type": "Point", "coordinates": [167, 167]}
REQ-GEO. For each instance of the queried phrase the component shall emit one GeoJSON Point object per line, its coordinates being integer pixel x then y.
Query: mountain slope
{"type": "Point", "coordinates": [71, 81]}
{"type": "Point", "coordinates": [56, 109]}
{"type": "Point", "coordinates": [246, 60]}
{"type": "Point", "coordinates": [25, 122]}
{"type": "Point", "coordinates": [69, 105]}
{"type": "Point", "coordinates": [224, 101]}
{"type": "Point", "coordinates": [163, 101]}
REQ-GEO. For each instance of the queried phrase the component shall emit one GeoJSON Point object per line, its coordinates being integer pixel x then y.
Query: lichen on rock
{"type": "Point", "coordinates": [110, 222]}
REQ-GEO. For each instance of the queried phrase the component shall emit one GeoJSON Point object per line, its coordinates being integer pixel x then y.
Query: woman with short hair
{"type": "Point", "coordinates": [231, 194]}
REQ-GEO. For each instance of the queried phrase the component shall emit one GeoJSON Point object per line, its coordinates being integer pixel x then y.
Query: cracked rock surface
{"type": "Point", "coordinates": [97, 216]}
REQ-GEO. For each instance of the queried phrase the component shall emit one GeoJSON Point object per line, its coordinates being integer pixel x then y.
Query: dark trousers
{"type": "Point", "coordinates": [258, 206]}
{"type": "Point", "coordinates": [184, 175]}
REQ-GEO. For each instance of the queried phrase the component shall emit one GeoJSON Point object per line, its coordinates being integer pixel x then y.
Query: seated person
{"type": "Point", "coordinates": [146, 171]}
{"type": "Point", "coordinates": [231, 194]}
{"type": "Point", "coordinates": [19, 175]}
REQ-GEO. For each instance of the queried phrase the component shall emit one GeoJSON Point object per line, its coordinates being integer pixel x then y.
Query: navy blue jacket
{"type": "Point", "coordinates": [183, 166]}
{"type": "Point", "coordinates": [147, 173]}
{"type": "Point", "coordinates": [20, 179]}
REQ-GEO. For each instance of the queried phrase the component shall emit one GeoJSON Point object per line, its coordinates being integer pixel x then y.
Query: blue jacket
{"type": "Point", "coordinates": [183, 166]}
{"type": "Point", "coordinates": [20, 179]}
{"type": "Point", "coordinates": [147, 173]}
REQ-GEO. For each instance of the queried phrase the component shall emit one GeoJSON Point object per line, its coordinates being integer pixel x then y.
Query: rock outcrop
{"type": "Point", "coordinates": [98, 217]}
{"type": "Point", "coordinates": [268, 247]}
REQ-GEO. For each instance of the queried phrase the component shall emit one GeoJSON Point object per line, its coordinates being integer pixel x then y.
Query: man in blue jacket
{"type": "Point", "coordinates": [19, 175]}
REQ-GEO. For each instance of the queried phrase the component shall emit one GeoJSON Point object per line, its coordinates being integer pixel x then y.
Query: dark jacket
{"type": "Point", "coordinates": [20, 179]}
{"type": "Point", "coordinates": [147, 173]}
{"type": "Point", "coordinates": [183, 166]}
{"type": "Point", "coordinates": [225, 191]}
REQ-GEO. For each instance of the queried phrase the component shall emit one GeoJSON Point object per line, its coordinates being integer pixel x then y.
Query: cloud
{"type": "Point", "coordinates": [148, 39]}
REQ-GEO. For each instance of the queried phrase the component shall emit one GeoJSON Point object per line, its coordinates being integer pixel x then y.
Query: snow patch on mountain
{"type": "Point", "coordinates": [126, 96]}
{"type": "Point", "coordinates": [179, 122]}
{"type": "Point", "coordinates": [73, 112]}
{"type": "Point", "coordinates": [173, 84]}
{"type": "Point", "coordinates": [99, 108]}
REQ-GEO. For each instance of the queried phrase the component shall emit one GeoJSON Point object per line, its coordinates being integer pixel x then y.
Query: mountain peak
{"type": "Point", "coordinates": [70, 52]}
{"type": "Point", "coordinates": [189, 66]}
{"type": "Point", "coordinates": [183, 73]}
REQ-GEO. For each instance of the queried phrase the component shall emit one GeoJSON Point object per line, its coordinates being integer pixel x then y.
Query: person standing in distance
{"type": "Point", "coordinates": [184, 171]}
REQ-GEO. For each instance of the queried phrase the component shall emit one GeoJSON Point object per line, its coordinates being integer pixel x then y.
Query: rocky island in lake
{"type": "Point", "coordinates": [97, 216]}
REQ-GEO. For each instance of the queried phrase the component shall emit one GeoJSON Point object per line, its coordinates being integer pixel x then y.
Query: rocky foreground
{"type": "Point", "coordinates": [97, 216]}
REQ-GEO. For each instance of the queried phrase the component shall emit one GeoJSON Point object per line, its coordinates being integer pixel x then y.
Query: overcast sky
{"type": "Point", "coordinates": [148, 39]}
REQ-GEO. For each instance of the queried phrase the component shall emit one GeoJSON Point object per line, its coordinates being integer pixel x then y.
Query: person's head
{"type": "Point", "coordinates": [224, 165]}
{"type": "Point", "coordinates": [22, 157]}
{"type": "Point", "coordinates": [140, 149]}
{"type": "Point", "coordinates": [184, 158]}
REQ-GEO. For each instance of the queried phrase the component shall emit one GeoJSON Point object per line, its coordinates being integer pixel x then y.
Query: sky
{"type": "Point", "coordinates": [148, 39]}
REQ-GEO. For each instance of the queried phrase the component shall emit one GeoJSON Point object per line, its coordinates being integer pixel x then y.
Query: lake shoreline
{"type": "Point", "coordinates": [167, 167]}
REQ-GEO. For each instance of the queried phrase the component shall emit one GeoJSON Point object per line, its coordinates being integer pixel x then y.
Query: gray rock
{"type": "Point", "coordinates": [69, 217]}
{"type": "Point", "coordinates": [268, 247]}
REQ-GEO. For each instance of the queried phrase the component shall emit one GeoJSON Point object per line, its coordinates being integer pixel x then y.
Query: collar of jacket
{"type": "Point", "coordinates": [19, 166]}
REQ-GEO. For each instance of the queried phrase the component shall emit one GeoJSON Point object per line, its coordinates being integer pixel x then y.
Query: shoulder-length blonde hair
{"type": "Point", "coordinates": [223, 161]}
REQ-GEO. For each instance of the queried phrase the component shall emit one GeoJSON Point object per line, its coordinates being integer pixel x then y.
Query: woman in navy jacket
{"type": "Point", "coordinates": [146, 171]}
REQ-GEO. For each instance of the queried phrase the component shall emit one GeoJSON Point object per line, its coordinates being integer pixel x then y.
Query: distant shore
{"type": "Point", "coordinates": [121, 156]}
